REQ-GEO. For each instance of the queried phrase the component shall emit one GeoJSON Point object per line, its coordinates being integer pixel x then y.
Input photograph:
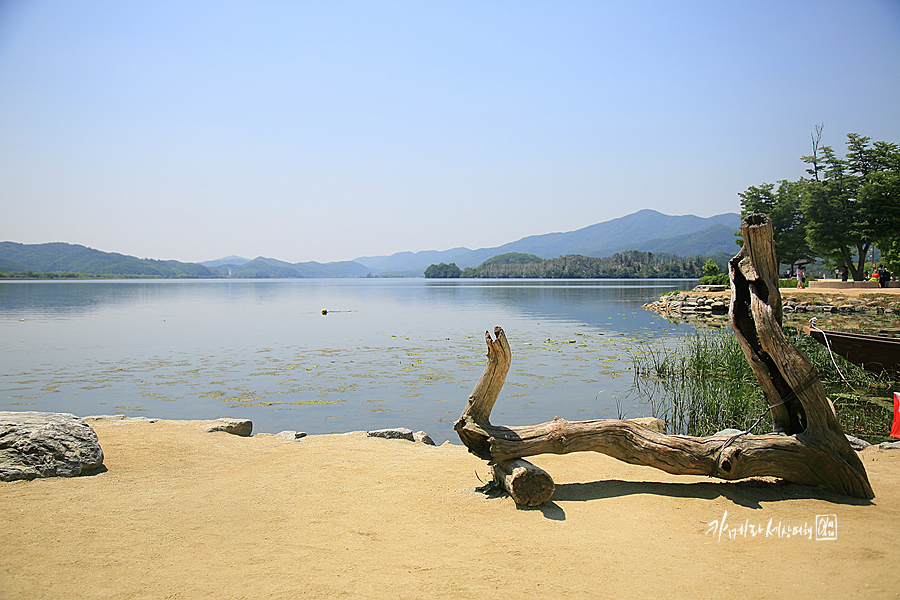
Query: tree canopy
{"type": "Point", "coordinates": [846, 206]}
{"type": "Point", "coordinates": [443, 271]}
{"type": "Point", "coordinates": [625, 265]}
{"type": "Point", "coordinates": [783, 207]}
{"type": "Point", "coordinates": [511, 258]}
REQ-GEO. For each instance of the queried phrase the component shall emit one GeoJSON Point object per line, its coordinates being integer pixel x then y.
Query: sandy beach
{"type": "Point", "coordinates": [181, 513]}
{"type": "Point", "coordinates": [824, 292]}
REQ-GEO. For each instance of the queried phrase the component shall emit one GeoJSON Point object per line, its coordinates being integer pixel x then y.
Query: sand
{"type": "Point", "coordinates": [180, 513]}
{"type": "Point", "coordinates": [819, 292]}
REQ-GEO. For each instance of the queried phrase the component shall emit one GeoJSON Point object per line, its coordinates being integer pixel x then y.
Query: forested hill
{"type": "Point", "coordinates": [624, 265]}
{"type": "Point", "coordinates": [72, 260]}
{"type": "Point", "coordinates": [58, 257]}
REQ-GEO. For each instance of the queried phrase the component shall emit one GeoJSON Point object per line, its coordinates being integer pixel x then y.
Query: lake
{"type": "Point", "coordinates": [388, 353]}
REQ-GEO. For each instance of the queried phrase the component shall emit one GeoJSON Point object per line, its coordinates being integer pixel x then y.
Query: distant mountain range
{"type": "Point", "coordinates": [58, 257]}
{"type": "Point", "coordinates": [645, 230]}
{"type": "Point", "coordinates": [235, 266]}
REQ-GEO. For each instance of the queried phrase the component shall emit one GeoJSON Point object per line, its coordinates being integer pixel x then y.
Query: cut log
{"type": "Point", "coordinates": [808, 446]}
{"type": "Point", "coordinates": [527, 484]}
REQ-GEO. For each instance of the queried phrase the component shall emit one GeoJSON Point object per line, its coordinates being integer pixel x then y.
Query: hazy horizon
{"type": "Point", "coordinates": [250, 258]}
{"type": "Point", "coordinates": [327, 132]}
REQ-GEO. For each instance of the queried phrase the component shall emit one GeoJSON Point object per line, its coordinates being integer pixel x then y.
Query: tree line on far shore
{"type": "Point", "coordinates": [623, 265]}
{"type": "Point", "coordinates": [62, 275]}
{"type": "Point", "coordinates": [845, 208]}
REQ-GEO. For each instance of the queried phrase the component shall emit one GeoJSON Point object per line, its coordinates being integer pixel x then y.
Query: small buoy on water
{"type": "Point", "coordinates": [324, 312]}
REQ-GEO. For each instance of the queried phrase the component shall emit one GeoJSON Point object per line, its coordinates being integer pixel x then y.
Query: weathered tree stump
{"type": "Point", "coordinates": [808, 446]}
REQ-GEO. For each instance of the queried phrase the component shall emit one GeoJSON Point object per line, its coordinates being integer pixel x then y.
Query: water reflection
{"type": "Point", "coordinates": [406, 352]}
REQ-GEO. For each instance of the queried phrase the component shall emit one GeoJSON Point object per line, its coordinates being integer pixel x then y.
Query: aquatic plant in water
{"type": "Point", "coordinates": [704, 384]}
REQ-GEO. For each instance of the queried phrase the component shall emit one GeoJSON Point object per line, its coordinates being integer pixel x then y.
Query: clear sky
{"type": "Point", "coordinates": [330, 130]}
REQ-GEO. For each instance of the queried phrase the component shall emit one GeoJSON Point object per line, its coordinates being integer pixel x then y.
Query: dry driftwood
{"type": "Point", "coordinates": [808, 446]}
{"type": "Point", "coordinates": [527, 484]}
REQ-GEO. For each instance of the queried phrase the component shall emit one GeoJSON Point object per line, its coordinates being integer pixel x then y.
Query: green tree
{"type": "Point", "coordinates": [511, 258]}
{"type": "Point", "coordinates": [890, 256]}
{"type": "Point", "coordinates": [784, 207]}
{"type": "Point", "coordinates": [710, 268]}
{"type": "Point", "coordinates": [443, 271]}
{"type": "Point", "coordinates": [852, 203]}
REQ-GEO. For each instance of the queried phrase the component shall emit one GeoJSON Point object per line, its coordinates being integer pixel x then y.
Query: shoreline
{"type": "Point", "coordinates": [848, 309]}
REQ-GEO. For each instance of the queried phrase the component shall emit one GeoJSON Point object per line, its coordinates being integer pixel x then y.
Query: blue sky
{"type": "Point", "coordinates": [331, 130]}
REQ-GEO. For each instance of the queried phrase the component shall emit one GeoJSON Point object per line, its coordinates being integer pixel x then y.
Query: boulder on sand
{"type": "Point", "coordinates": [395, 433]}
{"type": "Point", "coordinates": [241, 427]}
{"type": "Point", "coordinates": [37, 444]}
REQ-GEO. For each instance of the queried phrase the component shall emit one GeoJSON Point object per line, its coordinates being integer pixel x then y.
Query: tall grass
{"type": "Point", "coordinates": [705, 384]}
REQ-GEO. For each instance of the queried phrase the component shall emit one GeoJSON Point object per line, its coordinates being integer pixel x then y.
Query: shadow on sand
{"type": "Point", "coordinates": [748, 494]}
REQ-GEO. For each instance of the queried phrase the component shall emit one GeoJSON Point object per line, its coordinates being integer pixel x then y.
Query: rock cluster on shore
{"type": "Point", "coordinates": [702, 302]}
{"type": "Point", "coordinates": [842, 305]}
{"type": "Point", "coordinates": [686, 303]}
{"type": "Point", "coordinates": [34, 445]}
{"type": "Point", "coordinates": [402, 433]}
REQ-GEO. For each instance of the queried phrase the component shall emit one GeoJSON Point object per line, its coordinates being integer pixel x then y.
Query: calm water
{"type": "Point", "coordinates": [389, 353]}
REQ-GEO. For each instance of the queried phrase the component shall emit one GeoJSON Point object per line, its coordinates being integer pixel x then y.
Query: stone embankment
{"type": "Point", "coordinates": [714, 300]}
{"type": "Point", "coordinates": [704, 300]}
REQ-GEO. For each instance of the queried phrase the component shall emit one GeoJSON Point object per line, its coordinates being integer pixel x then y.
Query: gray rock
{"type": "Point", "coordinates": [856, 443]}
{"type": "Point", "coordinates": [890, 445]}
{"type": "Point", "coordinates": [292, 435]}
{"type": "Point", "coordinates": [241, 427]}
{"type": "Point", "coordinates": [728, 432]}
{"type": "Point", "coordinates": [121, 418]}
{"type": "Point", "coordinates": [36, 444]}
{"type": "Point", "coordinates": [423, 438]}
{"type": "Point", "coordinates": [397, 433]}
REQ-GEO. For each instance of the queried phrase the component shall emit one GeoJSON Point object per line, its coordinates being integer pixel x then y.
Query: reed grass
{"type": "Point", "coordinates": [704, 384]}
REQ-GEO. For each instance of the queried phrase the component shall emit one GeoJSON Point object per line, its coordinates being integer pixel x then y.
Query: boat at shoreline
{"type": "Point", "coordinates": [873, 353]}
